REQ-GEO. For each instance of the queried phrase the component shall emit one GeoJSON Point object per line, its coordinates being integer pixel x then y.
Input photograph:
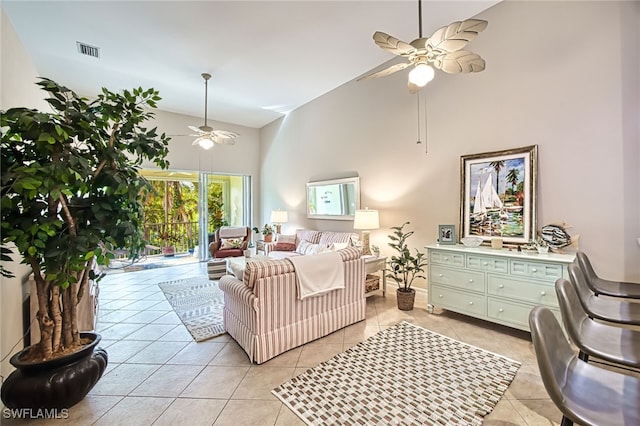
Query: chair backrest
{"type": "Point", "coordinates": [585, 265]}
{"type": "Point", "coordinates": [553, 352]}
{"type": "Point", "coordinates": [573, 314]}
{"type": "Point", "coordinates": [233, 232]}
{"type": "Point", "coordinates": [584, 292]}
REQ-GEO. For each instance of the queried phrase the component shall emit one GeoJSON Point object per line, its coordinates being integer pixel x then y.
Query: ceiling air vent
{"type": "Point", "coordinates": [86, 49]}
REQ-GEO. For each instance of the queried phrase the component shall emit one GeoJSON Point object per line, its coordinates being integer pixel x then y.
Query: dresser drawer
{"type": "Point", "coordinates": [468, 303]}
{"type": "Point", "coordinates": [526, 291]}
{"type": "Point", "coordinates": [538, 270]}
{"type": "Point", "coordinates": [504, 311]}
{"type": "Point", "coordinates": [460, 278]}
{"type": "Point", "coordinates": [446, 258]}
{"type": "Point", "coordinates": [489, 264]}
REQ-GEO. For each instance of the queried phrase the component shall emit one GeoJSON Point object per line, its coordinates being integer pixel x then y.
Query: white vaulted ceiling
{"type": "Point", "coordinates": [265, 56]}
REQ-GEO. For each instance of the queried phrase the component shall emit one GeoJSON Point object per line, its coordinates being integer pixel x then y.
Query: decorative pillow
{"type": "Point", "coordinates": [329, 237]}
{"type": "Point", "coordinates": [339, 246]}
{"type": "Point", "coordinates": [286, 239]}
{"type": "Point", "coordinates": [230, 243]}
{"type": "Point", "coordinates": [308, 235]}
{"type": "Point", "coordinates": [283, 247]}
{"type": "Point", "coordinates": [306, 247]}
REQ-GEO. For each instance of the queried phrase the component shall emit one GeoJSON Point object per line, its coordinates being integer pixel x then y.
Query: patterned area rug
{"type": "Point", "coordinates": [199, 303]}
{"type": "Point", "coordinates": [402, 375]}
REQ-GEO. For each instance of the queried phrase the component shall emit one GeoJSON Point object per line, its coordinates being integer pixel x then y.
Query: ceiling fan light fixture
{"type": "Point", "coordinates": [421, 74]}
{"type": "Point", "coordinates": [204, 142]}
{"type": "Point", "coordinates": [207, 136]}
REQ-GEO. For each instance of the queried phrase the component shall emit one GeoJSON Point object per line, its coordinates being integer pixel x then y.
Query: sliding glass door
{"type": "Point", "coordinates": [189, 206]}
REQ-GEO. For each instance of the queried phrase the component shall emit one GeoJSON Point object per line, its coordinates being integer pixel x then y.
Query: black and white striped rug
{"type": "Point", "coordinates": [199, 304]}
{"type": "Point", "coordinates": [404, 375]}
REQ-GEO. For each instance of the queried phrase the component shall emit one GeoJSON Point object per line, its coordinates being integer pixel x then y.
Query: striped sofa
{"type": "Point", "coordinates": [264, 315]}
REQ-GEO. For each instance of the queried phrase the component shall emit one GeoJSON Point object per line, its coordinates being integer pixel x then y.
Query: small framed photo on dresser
{"type": "Point", "coordinates": [447, 234]}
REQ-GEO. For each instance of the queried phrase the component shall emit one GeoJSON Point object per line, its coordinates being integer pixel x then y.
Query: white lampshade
{"type": "Point", "coordinates": [279, 216]}
{"type": "Point", "coordinates": [421, 74]}
{"type": "Point", "coordinates": [366, 219]}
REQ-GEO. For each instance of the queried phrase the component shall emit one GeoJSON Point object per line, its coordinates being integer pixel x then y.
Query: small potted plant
{"type": "Point", "coordinates": [169, 240]}
{"type": "Point", "coordinates": [404, 267]}
{"type": "Point", "coordinates": [266, 231]}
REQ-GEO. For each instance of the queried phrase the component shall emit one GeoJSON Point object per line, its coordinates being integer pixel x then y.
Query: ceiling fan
{"type": "Point", "coordinates": [206, 135]}
{"type": "Point", "coordinates": [442, 50]}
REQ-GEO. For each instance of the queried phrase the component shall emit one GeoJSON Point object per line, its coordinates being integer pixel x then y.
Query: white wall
{"type": "Point", "coordinates": [562, 75]}
{"type": "Point", "coordinates": [17, 78]}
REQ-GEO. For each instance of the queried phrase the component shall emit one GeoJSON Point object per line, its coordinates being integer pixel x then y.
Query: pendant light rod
{"type": "Point", "coordinates": [206, 77]}
{"type": "Point", "coordinates": [419, 18]}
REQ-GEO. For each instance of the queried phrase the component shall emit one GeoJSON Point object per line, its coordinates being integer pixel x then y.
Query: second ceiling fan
{"type": "Point", "coordinates": [206, 135]}
{"type": "Point", "coordinates": [442, 50]}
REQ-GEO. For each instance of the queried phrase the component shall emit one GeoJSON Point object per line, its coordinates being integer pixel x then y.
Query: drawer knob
{"type": "Point", "coordinates": [440, 296]}
{"type": "Point", "coordinates": [501, 286]}
{"type": "Point", "coordinates": [471, 303]}
{"type": "Point", "coordinates": [441, 275]}
{"type": "Point", "coordinates": [543, 293]}
{"type": "Point", "coordinates": [471, 280]}
{"type": "Point", "coordinates": [485, 263]}
{"type": "Point", "coordinates": [500, 310]}
{"type": "Point", "coordinates": [446, 258]}
{"type": "Point", "coordinates": [534, 270]}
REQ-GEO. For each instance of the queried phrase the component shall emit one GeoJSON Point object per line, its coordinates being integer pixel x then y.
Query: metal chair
{"type": "Point", "coordinates": [606, 287]}
{"type": "Point", "coordinates": [584, 393]}
{"type": "Point", "coordinates": [610, 343]}
{"type": "Point", "coordinates": [603, 308]}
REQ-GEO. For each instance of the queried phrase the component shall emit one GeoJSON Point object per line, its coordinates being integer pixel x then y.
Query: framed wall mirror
{"type": "Point", "coordinates": [336, 199]}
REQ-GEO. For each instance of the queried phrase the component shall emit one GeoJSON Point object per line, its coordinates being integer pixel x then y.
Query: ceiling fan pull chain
{"type": "Point", "coordinates": [418, 98]}
{"type": "Point", "coordinates": [426, 127]}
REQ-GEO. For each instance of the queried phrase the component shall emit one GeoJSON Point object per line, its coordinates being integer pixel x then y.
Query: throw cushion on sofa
{"type": "Point", "coordinates": [284, 247]}
{"type": "Point", "coordinates": [330, 237]}
{"type": "Point", "coordinates": [231, 243]}
{"type": "Point", "coordinates": [286, 239]}
{"type": "Point", "coordinates": [308, 235]}
{"type": "Point", "coordinates": [306, 247]}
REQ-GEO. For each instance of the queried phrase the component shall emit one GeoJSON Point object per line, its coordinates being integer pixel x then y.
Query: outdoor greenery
{"type": "Point", "coordinates": [171, 212]}
{"type": "Point", "coordinates": [70, 188]}
{"type": "Point", "coordinates": [404, 267]}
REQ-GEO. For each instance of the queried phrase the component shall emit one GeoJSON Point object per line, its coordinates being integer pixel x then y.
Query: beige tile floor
{"type": "Point", "coordinates": [157, 374]}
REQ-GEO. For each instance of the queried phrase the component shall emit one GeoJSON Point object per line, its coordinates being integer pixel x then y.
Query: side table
{"type": "Point", "coordinates": [373, 265]}
{"type": "Point", "coordinates": [260, 247]}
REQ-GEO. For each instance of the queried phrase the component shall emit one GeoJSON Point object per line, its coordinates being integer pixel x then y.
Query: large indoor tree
{"type": "Point", "coordinates": [71, 188]}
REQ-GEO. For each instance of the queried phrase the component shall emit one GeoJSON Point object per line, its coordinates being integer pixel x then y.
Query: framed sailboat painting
{"type": "Point", "coordinates": [498, 195]}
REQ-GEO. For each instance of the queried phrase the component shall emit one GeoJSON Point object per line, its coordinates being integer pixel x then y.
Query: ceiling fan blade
{"type": "Point", "coordinates": [392, 44]}
{"type": "Point", "coordinates": [195, 129]}
{"type": "Point", "coordinates": [224, 134]}
{"type": "Point", "coordinates": [461, 61]}
{"type": "Point", "coordinates": [456, 35]}
{"type": "Point", "coordinates": [385, 72]}
{"type": "Point", "coordinates": [224, 141]}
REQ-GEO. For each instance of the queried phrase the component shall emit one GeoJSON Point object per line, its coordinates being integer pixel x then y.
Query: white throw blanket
{"type": "Point", "coordinates": [318, 273]}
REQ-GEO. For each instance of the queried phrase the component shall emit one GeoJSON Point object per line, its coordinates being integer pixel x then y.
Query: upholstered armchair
{"type": "Point", "coordinates": [230, 241]}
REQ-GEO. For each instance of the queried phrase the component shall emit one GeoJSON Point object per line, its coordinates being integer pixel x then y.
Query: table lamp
{"type": "Point", "coordinates": [278, 217]}
{"type": "Point", "coordinates": [366, 220]}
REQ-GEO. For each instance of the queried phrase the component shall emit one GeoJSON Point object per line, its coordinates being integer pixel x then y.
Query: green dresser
{"type": "Point", "coordinates": [500, 286]}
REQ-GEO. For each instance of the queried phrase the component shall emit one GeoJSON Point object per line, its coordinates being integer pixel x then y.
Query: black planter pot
{"type": "Point", "coordinates": [57, 383]}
